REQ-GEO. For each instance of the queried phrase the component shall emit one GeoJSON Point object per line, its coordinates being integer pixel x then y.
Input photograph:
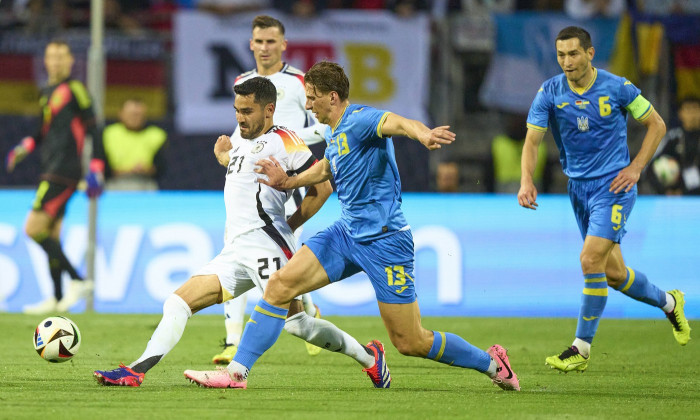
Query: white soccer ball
{"type": "Point", "coordinates": [667, 170]}
{"type": "Point", "coordinates": [57, 339]}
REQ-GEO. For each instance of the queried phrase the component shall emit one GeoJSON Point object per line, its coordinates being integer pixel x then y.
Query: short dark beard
{"type": "Point", "coordinates": [254, 129]}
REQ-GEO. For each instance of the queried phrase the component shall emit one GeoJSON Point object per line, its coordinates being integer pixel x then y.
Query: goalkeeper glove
{"type": "Point", "coordinates": [95, 178]}
{"type": "Point", "coordinates": [19, 152]}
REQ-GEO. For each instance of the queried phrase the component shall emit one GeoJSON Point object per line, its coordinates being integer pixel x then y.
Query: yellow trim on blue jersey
{"type": "Point", "coordinates": [581, 91]}
{"type": "Point", "coordinates": [630, 281]}
{"type": "Point", "coordinates": [442, 346]}
{"type": "Point", "coordinates": [268, 313]}
{"type": "Point", "coordinates": [381, 123]}
{"type": "Point", "coordinates": [337, 123]}
{"type": "Point", "coordinates": [537, 128]}
{"type": "Point", "coordinates": [595, 292]}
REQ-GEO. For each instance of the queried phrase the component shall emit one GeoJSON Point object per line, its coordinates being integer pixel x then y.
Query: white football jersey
{"type": "Point", "coordinates": [291, 112]}
{"type": "Point", "coordinates": [250, 204]}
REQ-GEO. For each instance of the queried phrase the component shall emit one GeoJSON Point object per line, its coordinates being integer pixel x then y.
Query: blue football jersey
{"type": "Point", "coordinates": [589, 125]}
{"type": "Point", "coordinates": [366, 176]}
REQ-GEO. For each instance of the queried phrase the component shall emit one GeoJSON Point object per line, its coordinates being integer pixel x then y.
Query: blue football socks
{"type": "Point", "coordinates": [452, 350]}
{"type": "Point", "coordinates": [638, 287]}
{"type": "Point", "coordinates": [593, 299]}
{"type": "Point", "coordinates": [261, 332]}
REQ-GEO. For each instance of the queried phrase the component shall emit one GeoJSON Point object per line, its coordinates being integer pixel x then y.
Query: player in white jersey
{"type": "Point", "coordinates": [268, 44]}
{"type": "Point", "coordinates": [259, 240]}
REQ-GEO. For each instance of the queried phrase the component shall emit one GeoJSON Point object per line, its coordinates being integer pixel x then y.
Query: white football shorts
{"type": "Point", "coordinates": [250, 259]}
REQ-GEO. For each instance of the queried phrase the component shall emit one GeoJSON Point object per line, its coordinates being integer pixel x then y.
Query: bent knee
{"type": "Point", "coordinates": [591, 263]}
{"type": "Point", "coordinates": [278, 290]}
{"type": "Point", "coordinates": [35, 232]}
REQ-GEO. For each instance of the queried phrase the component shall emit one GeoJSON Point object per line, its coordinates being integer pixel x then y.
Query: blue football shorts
{"type": "Point", "coordinates": [600, 212]}
{"type": "Point", "coordinates": [388, 261]}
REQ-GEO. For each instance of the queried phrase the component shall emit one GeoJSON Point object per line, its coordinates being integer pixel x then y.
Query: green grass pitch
{"type": "Point", "coordinates": [637, 371]}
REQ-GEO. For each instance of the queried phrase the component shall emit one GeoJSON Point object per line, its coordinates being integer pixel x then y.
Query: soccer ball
{"type": "Point", "coordinates": [57, 339]}
{"type": "Point", "coordinates": [667, 170]}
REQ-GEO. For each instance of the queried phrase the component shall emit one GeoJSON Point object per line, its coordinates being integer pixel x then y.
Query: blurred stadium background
{"type": "Point", "coordinates": [472, 64]}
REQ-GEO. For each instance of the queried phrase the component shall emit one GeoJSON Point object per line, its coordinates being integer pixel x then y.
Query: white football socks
{"type": "Point", "coordinates": [584, 347]}
{"type": "Point", "coordinates": [234, 310]}
{"type": "Point", "coordinates": [670, 303]}
{"type": "Point", "coordinates": [492, 371]}
{"type": "Point", "coordinates": [169, 331]}
{"type": "Point", "coordinates": [325, 335]}
{"type": "Point", "coordinates": [309, 306]}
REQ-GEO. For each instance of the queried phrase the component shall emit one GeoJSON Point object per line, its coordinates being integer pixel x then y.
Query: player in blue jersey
{"type": "Point", "coordinates": [587, 108]}
{"type": "Point", "coordinates": [372, 235]}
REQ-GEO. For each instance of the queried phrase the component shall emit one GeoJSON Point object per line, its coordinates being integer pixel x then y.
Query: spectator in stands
{"type": "Point", "coordinates": [447, 177]}
{"type": "Point", "coordinates": [675, 168]}
{"type": "Point", "coordinates": [117, 19]}
{"type": "Point", "coordinates": [134, 150]}
{"type": "Point", "coordinates": [507, 149]}
{"type": "Point", "coordinates": [159, 15]}
{"type": "Point", "coordinates": [668, 7]}
{"type": "Point", "coordinates": [300, 8]}
{"type": "Point", "coordinates": [41, 17]}
{"type": "Point", "coordinates": [406, 8]}
{"type": "Point", "coordinates": [228, 7]}
{"type": "Point", "coordinates": [588, 9]}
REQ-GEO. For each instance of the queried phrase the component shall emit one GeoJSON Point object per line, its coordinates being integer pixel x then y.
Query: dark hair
{"type": "Point", "coordinates": [264, 22]}
{"type": "Point", "coordinates": [327, 77]}
{"type": "Point", "coordinates": [584, 38]}
{"type": "Point", "coordinates": [61, 42]}
{"type": "Point", "coordinates": [134, 99]}
{"type": "Point", "coordinates": [263, 89]}
{"type": "Point", "coordinates": [691, 99]}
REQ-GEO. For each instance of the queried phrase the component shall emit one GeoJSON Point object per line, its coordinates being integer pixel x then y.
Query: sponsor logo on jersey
{"type": "Point", "coordinates": [582, 123]}
{"type": "Point", "coordinates": [581, 104]}
{"type": "Point", "coordinates": [562, 105]}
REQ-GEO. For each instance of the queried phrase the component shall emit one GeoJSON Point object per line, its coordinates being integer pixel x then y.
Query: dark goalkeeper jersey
{"type": "Point", "coordinates": [66, 118]}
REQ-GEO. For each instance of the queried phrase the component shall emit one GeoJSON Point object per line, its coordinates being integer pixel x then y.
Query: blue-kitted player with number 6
{"type": "Point", "coordinates": [587, 109]}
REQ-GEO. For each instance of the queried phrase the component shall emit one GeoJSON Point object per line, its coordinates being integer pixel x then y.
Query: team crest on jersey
{"type": "Point", "coordinates": [581, 104]}
{"type": "Point", "coordinates": [582, 124]}
{"type": "Point", "coordinates": [280, 94]}
{"type": "Point", "coordinates": [258, 147]}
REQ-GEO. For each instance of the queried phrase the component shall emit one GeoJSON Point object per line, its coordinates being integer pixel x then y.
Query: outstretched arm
{"type": "Point", "coordinates": [396, 125]}
{"type": "Point", "coordinates": [629, 176]}
{"type": "Point", "coordinates": [315, 196]}
{"type": "Point", "coordinates": [279, 180]}
{"type": "Point", "coordinates": [527, 196]}
{"type": "Point", "coordinates": [221, 149]}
